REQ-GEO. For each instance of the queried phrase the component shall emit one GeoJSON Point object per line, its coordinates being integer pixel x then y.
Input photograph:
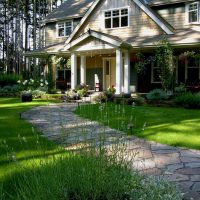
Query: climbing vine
{"type": "Point", "coordinates": [165, 62]}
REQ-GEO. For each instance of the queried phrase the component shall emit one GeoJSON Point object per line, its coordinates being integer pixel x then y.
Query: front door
{"type": "Point", "coordinates": [109, 72]}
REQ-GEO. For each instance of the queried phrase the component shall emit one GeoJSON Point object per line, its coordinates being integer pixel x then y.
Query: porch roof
{"type": "Point", "coordinates": [183, 37]}
{"type": "Point", "coordinates": [48, 50]}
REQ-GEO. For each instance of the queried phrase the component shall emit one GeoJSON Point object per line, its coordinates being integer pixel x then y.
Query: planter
{"type": "Point", "coordinates": [27, 97]}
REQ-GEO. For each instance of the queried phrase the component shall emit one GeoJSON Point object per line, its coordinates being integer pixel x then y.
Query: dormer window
{"type": "Point", "coordinates": [193, 12]}
{"type": "Point", "coordinates": [65, 28]}
{"type": "Point", "coordinates": [116, 18]}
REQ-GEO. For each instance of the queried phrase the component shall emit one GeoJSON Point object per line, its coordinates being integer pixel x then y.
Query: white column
{"type": "Point", "coordinates": [83, 70]}
{"type": "Point", "coordinates": [127, 73]}
{"type": "Point", "coordinates": [119, 71]}
{"type": "Point", "coordinates": [73, 71]}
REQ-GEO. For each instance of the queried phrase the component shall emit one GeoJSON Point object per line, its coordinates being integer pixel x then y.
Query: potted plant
{"type": "Point", "coordinates": [26, 96]}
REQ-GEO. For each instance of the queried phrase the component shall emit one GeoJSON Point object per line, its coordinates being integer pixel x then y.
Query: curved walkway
{"type": "Point", "coordinates": [179, 165]}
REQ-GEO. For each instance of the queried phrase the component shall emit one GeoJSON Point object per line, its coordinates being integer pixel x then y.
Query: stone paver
{"type": "Point", "coordinates": [179, 165]}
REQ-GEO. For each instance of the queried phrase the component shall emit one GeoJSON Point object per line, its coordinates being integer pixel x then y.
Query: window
{"type": "Point", "coordinates": [65, 28]}
{"type": "Point", "coordinates": [193, 70]}
{"type": "Point", "coordinates": [116, 18]}
{"type": "Point", "coordinates": [193, 12]}
{"type": "Point", "coordinates": [155, 74]}
{"type": "Point", "coordinates": [61, 29]}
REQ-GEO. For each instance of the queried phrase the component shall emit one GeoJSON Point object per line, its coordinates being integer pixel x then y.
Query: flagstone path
{"type": "Point", "coordinates": [179, 165]}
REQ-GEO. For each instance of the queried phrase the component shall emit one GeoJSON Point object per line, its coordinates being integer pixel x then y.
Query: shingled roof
{"type": "Point", "coordinates": [165, 2]}
{"type": "Point", "coordinates": [69, 9]}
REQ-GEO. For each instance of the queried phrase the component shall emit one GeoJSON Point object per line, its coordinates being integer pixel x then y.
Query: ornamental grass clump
{"type": "Point", "coordinates": [84, 174]}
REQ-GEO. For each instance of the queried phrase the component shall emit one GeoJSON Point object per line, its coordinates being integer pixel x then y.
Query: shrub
{"type": "Point", "coordinates": [72, 95]}
{"type": "Point", "coordinates": [126, 96]}
{"type": "Point", "coordinates": [127, 101]}
{"type": "Point", "coordinates": [82, 92]}
{"type": "Point", "coordinates": [53, 91]}
{"type": "Point", "coordinates": [99, 97]}
{"type": "Point", "coordinates": [8, 79]}
{"type": "Point", "coordinates": [110, 92]}
{"type": "Point", "coordinates": [139, 101]}
{"type": "Point", "coordinates": [10, 91]}
{"type": "Point", "coordinates": [118, 100]}
{"type": "Point", "coordinates": [157, 95]}
{"type": "Point", "coordinates": [38, 94]}
{"type": "Point", "coordinates": [189, 100]}
{"type": "Point", "coordinates": [181, 89]}
{"type": "Point", "coordinates": [82, 86]}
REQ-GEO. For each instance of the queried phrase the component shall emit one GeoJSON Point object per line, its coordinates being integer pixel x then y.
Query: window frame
{"type": "Point", "coordinates": [188, 66]}
{"type": "Point", "coordinates": [189, 11]}
{"type": "Point", "coordinates": [111, 17]}
{"type": "Point", "coordinates": [65, 26]}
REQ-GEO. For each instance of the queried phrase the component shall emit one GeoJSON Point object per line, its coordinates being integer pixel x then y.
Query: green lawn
{"type": "Point", "coordinates": [173, 126]}
{"type": "Point", "coordinates": [17, 138]}
{"type": "Point", "coordinates": [34, 168]}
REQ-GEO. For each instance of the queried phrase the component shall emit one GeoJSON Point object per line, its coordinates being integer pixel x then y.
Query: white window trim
{"type": "Point", "coordinates": [120, 16]}
{"type": "Point", "coordinates": [57, 28]}
{"type": "Point", "coordinates": [187, 13]}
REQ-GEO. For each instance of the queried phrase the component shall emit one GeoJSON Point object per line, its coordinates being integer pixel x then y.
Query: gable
{"type": "Point", "coordinates": [92, 44]}
{"type": "Point", "coordinates": [143, 22]}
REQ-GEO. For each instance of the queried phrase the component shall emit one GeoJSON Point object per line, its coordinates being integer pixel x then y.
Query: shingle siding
{"type": "Point", "coordinates": [140, 23]}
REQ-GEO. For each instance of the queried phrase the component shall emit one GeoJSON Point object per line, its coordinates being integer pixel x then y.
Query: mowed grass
{"type": "Point", "coordinates": [172, 126]}
{"type": "Point", "coordinates": [18, 139]}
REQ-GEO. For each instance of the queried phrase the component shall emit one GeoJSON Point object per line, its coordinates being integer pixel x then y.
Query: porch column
{"type": "Point", "coordinates": [119, 71]}
{"type": "Point", "coordinates": [73, 71]}
{"type": "Point", "coordinates": [127, 72]}
{"type": "Point", "coordinates": [83, 69]}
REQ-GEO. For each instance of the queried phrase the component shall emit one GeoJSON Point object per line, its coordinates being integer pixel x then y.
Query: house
{"type": "Point", "coordinates": [102, 38]}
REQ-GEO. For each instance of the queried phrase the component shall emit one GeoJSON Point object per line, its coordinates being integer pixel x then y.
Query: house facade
{"type": "Point", "coordinates": [102, 38]}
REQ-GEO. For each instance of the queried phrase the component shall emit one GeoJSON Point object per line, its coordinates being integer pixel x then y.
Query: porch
{"type": "Point", "coordinates": [101, 70]}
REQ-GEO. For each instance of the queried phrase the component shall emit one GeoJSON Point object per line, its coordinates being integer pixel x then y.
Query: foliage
{"type": "Point", "coordinates": [129, 101]}
{"type": "Point", "coordinates": [32, 84]}
{"type": "Point", "coordinates": [82, 90]}
{"type": "Point", "coordinates": [99, 97]}
{"type": "Point", "coordinates": [63, 62]}
{"type": "Point", "coordinates": [164, 61]}
{"type": "Point", "coordinates": [91, 175]}
{"type": "Point", "coordinates": [10, 91]}
{"type": "Point", "coordinates": [72, 95]}
{"type": "Point", "coordinates": [30, 163]}
{"type": "Point", "coordinates": [161, 124]}
{"type": "Point", "coordinates": [139, 101]}
{"type": "Point", "coordinates": [8, 79]}
{"type": "Point", "coordinates": [180, 89]}
{"type": "Point", "coordinates": [189, 100]}
{"type": "Point", "coordinates": [110, 91]}
{"type": "Point", "coordinates": [157, 95]}
{"type": "Point", "coordinates": [37, 94]}
{"type": "Point", "coordinates": [82, 93]}
{"type": "Point", "coordinates": [50, 79]}
{"type": "Point", "coordinates": [142, 63]}
{"type": "Point", "coordinates": [118, 100]}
